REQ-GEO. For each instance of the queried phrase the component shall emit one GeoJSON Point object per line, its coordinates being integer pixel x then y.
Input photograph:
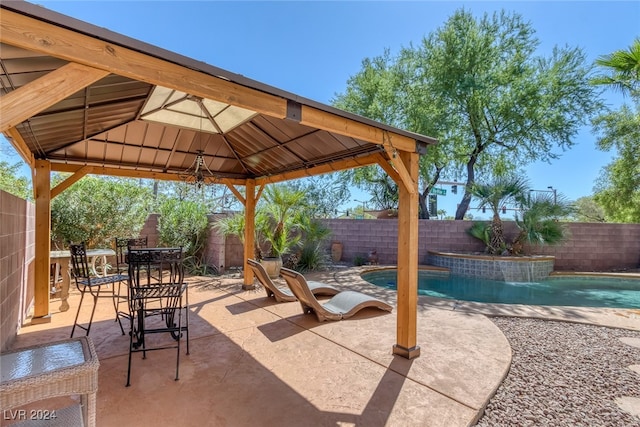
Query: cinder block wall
{"type": "Point", "coordinates": [590, 246]}
{"type": "Point", "coordinates": [596, 247]}
{"type": "Point", "coordinates": [17, 254]}
{"type": "Point", "coordinates": [220, 252]}
{"type": "Point", "coordinates": [150, 230]}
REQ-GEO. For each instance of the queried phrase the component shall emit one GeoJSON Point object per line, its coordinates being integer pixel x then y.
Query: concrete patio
{"type": "Point", "coordinates": [257, 362]}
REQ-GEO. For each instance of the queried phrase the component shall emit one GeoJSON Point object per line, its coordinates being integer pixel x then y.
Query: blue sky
{"type": "Point", "coordinates": [312, 48]}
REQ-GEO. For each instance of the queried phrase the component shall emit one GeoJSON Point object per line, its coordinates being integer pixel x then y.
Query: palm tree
{"type": "Point", "coordinates": [277, 219]}
{"type": "Point", "coordinates": [538, 222]}
{"type": "Point", "coordinates": [494, 194]}
{"type": "Point", "coordinates": [277, 222]}
{"type": "Point", "coordinates": [624, 68]}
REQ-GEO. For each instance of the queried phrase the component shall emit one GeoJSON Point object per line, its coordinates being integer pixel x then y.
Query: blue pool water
{"type": "Point", "coordinates": [582, 291]}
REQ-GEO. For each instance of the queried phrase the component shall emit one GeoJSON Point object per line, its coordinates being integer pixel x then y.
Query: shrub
{"type": "Point", "coordinates": [185, 223]}
{"type": "Point", "coordinates": [95, 210]}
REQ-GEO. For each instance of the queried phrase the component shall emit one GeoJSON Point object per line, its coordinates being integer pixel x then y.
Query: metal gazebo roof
{"type": "Point", "coordinates": [96, 98]}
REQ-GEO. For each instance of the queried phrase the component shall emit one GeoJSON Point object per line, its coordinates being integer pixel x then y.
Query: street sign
{"type": "Point", "coordinates": [438, 191]}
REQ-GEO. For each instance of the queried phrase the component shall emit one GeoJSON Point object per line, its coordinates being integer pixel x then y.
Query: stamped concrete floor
{"type": "Point", "coordinates": [257, 362]}
{"type": "Point", "coordinates": [254, 362]}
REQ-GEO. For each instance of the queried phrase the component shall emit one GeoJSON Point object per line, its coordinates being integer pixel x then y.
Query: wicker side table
{"type": "Point", "coordinates": [60, 368]}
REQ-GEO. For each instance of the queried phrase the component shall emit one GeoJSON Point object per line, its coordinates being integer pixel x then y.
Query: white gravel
{"type": "Point", "coordinates": [565, 374]}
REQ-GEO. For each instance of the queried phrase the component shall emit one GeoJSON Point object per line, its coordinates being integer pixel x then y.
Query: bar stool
{"type": "Point", "coordinates": [86, 283]}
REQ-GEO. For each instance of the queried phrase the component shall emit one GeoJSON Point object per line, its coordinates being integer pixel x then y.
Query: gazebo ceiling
{"type": "Point", "coordinates": [81, 99]}
{"type": "Point", "coordinates": [133, 119]}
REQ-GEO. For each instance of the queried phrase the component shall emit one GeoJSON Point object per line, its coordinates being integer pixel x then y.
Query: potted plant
{"type": "Point", "coordinates": [278, 225]}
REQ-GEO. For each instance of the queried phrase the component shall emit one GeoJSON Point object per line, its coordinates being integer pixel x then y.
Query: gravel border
{"type": "Point", "coordinates": [564, 374]}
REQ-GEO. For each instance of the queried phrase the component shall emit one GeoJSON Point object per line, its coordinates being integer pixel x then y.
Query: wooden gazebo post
{"type": "Point", "coordinates": [42, 187]}
{"type": "Point", "coordinates": [249, 231]}
{"type": "Point", "coordinates": [406, 344]}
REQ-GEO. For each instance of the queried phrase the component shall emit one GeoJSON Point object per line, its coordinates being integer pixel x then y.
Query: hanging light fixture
{"type": "Point", "coordinates": [198, 173]}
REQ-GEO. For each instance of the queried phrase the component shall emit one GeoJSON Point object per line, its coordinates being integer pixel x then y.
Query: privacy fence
{"type": "Point", "coordinates": [589, 247]}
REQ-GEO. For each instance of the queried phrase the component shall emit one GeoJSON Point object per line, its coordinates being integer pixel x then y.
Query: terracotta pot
{"type": "Point", "coordinates": [272, 266]}
{"type": "Point", "coordinates": [336, 251]}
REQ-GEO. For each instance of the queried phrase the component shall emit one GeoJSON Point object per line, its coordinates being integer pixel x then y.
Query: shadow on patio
{"type": "Point", "coordinates": [255, 362]}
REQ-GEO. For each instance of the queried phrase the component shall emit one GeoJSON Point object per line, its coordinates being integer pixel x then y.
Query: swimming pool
{"type": "Point", "coordinates": [580, 291]}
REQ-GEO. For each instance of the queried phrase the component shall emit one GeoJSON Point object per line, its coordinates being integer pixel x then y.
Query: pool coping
{"type": "Point", "coordinates": [622, 318]}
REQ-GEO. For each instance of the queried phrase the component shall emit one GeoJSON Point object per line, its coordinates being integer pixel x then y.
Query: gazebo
{"type": "Point", "coordinates": [80, 99]}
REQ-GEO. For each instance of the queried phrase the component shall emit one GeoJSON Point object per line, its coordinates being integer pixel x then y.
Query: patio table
{"type": "Point", "coordinates": [62, 368]}
{"type": "Point", "coordinates": [61, 261]}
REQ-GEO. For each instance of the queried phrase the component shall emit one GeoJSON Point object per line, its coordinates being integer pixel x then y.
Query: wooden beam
{"type": "Point", "coordinates": [320, 119]}
{"type": "Point", "coordinates": [49, 39]}
{"type": "Point", "coordinates": [249, 232]}
{"type": "Point", "coordinates": [55, 191]}
{"type": "Point", "coordinates": [130, 173]}
{"type": "Point", "coordinates": [405, 178]}
{"type": "Point", "coordinates": [27, 101]}
{"type": "Point", "coordinates": [238, 195]}
{"type": "Point", "coordinates": [42, 185]}
{"type": "Point", "coordinates": [259, 193]}
{"type": "Point", "coordinates": [384, 164]}
{"type": "Point", "coordinates": [21, 147]}
{"type": "Point", "coordinates": [406, 324]}
{"type": "Point", "coordinates": [317, 170]}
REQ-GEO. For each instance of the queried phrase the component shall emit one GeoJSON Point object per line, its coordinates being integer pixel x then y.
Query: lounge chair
{"type": "Point", "coordinates": [284, 294]}
{"type": "Point", "coordinates": [341, 306]}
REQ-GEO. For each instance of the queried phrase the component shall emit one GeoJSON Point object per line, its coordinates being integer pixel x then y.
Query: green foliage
{"type": "Point", "coordinates": [323, 193]}
{"type": "Point", "coordinates": [277, 223]}
{"type": "Point", "coordinates": [481, 231]}
{"type": "Point", "coordinates": [312, 254]}
{"type": "Point", "coordinates": [359, 260]}
{"type": "Point", "coordinates": [375, 181]}
{"type": "Point", "coordinates": [618, 187]}
{"type": "Point", "coordinates": [232, 225]}
{"type": "Point", "coordinates": [95, 210]}
{"type": "Point", "coordinates": [538, 221]}
{"type": "Point", "coordinates": [537, 217]}
{"type": "Point", "coordinates": [11, 183]}
{"type": "Point", "coordinates": [215, 197]}
{"type": "Point", "coordinates": [311, 258]}
{"type": "Point", "coordinates": [495, 194]}
{"type": "Point", "coordinates": [621, 70]}
{"type": "Point", "coordinates": [586, 209]}
{"type": "Point", "coordinates": [476, 85]}
{"type": "Point", "coordinates": [283, 223]}
{"type": "Point", "coordinates": [185, 223]}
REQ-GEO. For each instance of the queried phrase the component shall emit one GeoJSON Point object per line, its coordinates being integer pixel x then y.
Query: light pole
{"type": "Point", "coordinates": [555, 195]}
{"type": "Point", "coordinates": [364, 204]}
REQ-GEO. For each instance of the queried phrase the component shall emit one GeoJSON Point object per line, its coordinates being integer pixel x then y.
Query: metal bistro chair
{"type": "Point", "coordinates": [122, 246]}
{"type": "Point", "coordinates": [157, 298]}
{"type": "Point", "coordinates": [87, 283]}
